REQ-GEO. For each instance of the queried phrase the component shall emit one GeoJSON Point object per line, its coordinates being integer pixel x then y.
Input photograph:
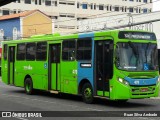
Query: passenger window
{"type": "Point", "coordinates": [5, 52]}
{"type": "Point", "coordinates": [68, 50]}
{"type": "Point", "coordinates": [41, 51]}
{"type": "Point", "coordinates": [21, 50]}
{"type": "Point", "coordinates": [84, 49]}
{"type": "Point", "coordinates": [30, 51]}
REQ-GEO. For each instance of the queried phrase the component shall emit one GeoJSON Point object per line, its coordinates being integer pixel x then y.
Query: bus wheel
{"type": "Point", "coordinates": [87, 93]}
{"type": "Point", "coordinates": [28, 86]}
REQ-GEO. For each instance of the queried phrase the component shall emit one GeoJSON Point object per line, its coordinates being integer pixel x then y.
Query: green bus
{"type": "Point", "coordinates": [114, 64]}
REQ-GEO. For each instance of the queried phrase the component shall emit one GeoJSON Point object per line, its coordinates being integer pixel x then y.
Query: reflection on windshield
{"type": "Point", "coordinates": [136, 56]}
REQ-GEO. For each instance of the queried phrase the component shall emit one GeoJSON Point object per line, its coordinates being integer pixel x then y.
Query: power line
{"type": "Point", "coordinates": [135, 16]}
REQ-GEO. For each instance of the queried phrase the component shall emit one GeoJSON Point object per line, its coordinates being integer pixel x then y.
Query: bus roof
{"type": "Point", "coordinates": [57, 36]}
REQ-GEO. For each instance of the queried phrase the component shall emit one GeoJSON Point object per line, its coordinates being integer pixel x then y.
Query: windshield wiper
{"type": "Point", "coordinates": [146, 50]}
{"type": "Point", "coordinates": [135, 51]}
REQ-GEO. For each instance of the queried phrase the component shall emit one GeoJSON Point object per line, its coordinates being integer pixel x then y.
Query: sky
{"type": "Point", "coordinates": [156, 5]}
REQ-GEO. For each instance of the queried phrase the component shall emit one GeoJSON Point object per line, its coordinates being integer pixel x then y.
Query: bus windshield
{"type": "Point", "coordinates": [136, 56]}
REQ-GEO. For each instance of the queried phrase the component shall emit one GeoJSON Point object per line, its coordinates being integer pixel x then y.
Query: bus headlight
{"type": "Point", "coordinates": [120, 80]}
{"type": "Point", "coordinates": [123, 81]}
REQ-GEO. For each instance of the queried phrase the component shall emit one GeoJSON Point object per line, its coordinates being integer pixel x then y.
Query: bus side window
{"type": "Point", "coordinates": [21, 51]}
{"type": "Point", "coordinates": [30, 51]}
{"type": "Point", "coordinates": [84, 49]}
{"type": "Point", "coordinates": [5, 52]}
{"type": "Point", "coordinates": [41, 51]}
{"type": "Point", "coordinates": [55, 53]}
{"type": "Point", "coordinates": [68, 50]}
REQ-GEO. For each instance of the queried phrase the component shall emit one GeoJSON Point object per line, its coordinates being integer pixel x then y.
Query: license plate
{"type": "Point", "coordinates": [144, 89]}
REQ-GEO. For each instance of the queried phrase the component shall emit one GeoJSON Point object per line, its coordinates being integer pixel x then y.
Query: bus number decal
{"type": "Point", "coordinates": [136, 82]}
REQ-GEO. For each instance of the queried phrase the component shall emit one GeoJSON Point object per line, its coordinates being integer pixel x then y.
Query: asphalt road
{"type": "Point", "coordinates": [14, 99]}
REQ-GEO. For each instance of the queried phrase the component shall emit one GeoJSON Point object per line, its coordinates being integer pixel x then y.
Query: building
{"type": "Point", "coordinates": [4, 2]}
{"type": "Point", "coordinates": [24, 24]}
{"type": "Point", "coordinates": [66, 13]}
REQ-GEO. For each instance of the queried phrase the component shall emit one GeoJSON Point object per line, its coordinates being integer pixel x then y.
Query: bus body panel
{"type": "Point", "coordinates": [4, 65]}
{"type": "Point", "coordinates": [86, 73]}
{"type": "Point", "coordinates": [69, 77]}
{"type": "Point", "coordinates": [20, 74]}
{"type": "Point", "coordinates": [5, 72]}
{"type": "Point", "coordinates": [37, 72]}
{"type": "Point", "coordinates": [68, 71]}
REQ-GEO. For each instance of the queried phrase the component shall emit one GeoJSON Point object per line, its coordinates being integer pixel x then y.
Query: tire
{"type": "Point", "coordinates": [87, 93]}
{"type": "Point", "coordinates": [28, 86]}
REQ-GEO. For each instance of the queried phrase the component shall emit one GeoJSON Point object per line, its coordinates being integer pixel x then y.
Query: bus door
{"type": "Point", "coordinates": [103, 65]}
{"type": "Point", "coordinates": [11, 62]}
{"type": "Point", "coordinates": [54, 66]}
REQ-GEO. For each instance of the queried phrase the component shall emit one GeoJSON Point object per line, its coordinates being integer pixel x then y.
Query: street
{"type": "Point", "coordinates": [14, 99]}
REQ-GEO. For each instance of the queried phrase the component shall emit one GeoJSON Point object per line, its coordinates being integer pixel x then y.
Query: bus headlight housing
{"type": "Point", "coordinates": [123, 81]}
{"type": "Point", "coordinates": [158, 80]}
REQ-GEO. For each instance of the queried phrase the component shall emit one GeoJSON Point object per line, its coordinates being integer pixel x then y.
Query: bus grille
{"type": "Point", "coordinates": [145, 90]}
{"type": "Point", "coordinates": [142, 93]}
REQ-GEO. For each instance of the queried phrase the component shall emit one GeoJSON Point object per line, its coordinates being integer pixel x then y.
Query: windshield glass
{"type": "Point", "coordinates": [136, 56]}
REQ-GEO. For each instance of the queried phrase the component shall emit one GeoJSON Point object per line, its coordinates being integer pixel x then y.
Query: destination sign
{"type": "Point", "coordinates": [86, 65]}
{"type": "Point", "coordinates": [136, 35]}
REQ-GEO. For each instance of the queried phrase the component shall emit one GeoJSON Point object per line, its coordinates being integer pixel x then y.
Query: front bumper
{"type": "Point", "coordinates": [121, 91]}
